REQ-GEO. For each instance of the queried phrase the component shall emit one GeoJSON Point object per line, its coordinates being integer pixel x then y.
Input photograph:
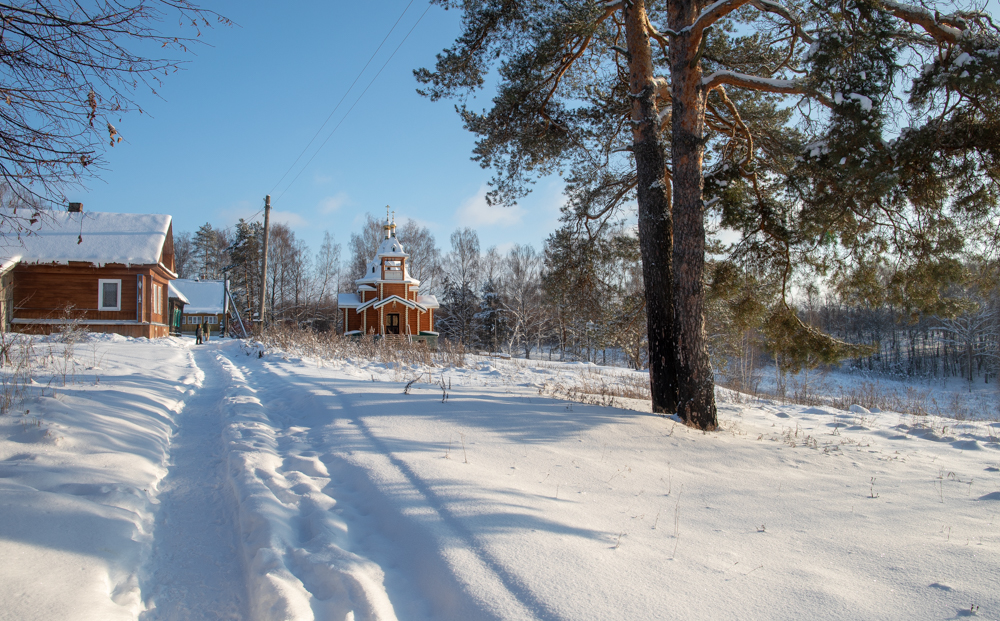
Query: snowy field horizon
{"type": "Point", "coordinates": [162, 480]}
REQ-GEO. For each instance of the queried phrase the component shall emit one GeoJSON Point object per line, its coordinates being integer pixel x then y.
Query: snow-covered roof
{"type": "Point", "coordinates": [395, 299]}
{"type": "Point", "coordinates": [172, 292]}
{"type": "Point", "coordinates": [206, 296]}
{"type": "Point", "coordinates": [428, 301]}
{"type": "Point", "coordinates": [348, 300]}
{"type": "Point", "coordinates": [391, 248]}
{"type": "Point", "coordinates": [91, 237]}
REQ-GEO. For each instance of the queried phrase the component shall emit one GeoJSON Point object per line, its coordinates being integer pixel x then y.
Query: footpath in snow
{"type": "Point", "coordinates": [206, 482]}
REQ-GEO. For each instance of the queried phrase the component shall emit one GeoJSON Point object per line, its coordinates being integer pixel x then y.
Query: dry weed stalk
{"type": "Point", "coordinates": [16, 370]}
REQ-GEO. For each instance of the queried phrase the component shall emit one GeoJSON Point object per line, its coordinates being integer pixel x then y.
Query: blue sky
{"type": "Point", "coordinates": [227, 127]}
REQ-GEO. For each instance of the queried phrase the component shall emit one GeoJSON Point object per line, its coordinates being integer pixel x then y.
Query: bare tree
{"type": "Point", "coordinates": [522, 298]}
{"type": "Point", "coordinates": [974, 334]}
{"type": "Point", "coordinates": [20, 214]}
{"type": "Point", "coordinates": [460, 305]}
{"type": "Point", "coordinates": [327, 270]}
{"type": "Point", "coordinates": [67, 69]}
{"type": "Point", "coordinates": [287, 269]}
{"type": "Point", "coordinates": [183, 254]}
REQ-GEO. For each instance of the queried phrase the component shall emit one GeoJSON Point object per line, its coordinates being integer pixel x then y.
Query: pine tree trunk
{"type": "Point", "coordinates": [696, 384]}
{"type": "Point", "coordinates": [655, 226]}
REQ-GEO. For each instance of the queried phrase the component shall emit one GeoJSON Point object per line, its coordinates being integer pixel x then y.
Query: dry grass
{"type": "Point", "coordinates": [393, 352]}
{"type": "Point", "coordinates": [603, 387]}
{"type": "Point", "coordinates": [609, 386]}
{"type": "Point", "coordinates": [17, 362]}
{"type": "Point", "coordinates": [875, 396]}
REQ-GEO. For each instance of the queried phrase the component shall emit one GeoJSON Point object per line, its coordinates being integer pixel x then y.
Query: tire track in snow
{"type": "Point", "coordinates": [195, 568]}
{"type": "Point", "coordinates": [424, 539]}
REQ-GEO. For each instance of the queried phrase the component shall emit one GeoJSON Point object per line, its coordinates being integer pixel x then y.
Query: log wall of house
{"type": "Point", "coordinates": [147, 330]}
{"type": "Point", "coordinates": [60, 293]}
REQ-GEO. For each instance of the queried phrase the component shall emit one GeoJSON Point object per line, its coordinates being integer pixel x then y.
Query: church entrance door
{"type": "Point", "coordinates": [392, 323]}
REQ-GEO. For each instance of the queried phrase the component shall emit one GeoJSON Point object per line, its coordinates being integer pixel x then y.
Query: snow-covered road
{"type": "Point", "coordinates": [169, 481]}
{"type": "Point", "coordinates": [198, 573]}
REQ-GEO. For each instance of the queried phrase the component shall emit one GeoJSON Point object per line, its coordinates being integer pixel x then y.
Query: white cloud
{"type": "Point", "coordinates": [331, 204]}
{"type": "Point", "coordinates": [474, 212]}
{"type": "Point", "coordinates": [288, 218]}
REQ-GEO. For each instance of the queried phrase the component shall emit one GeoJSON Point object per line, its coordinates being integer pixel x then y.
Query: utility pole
{"type": "Point", "coordinates": [263, 269]}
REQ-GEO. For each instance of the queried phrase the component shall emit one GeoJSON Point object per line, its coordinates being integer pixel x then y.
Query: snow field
{"type": "Point", "coordinates": [584, 512]}
{"type": "Point", "coordinates": [80, 466]}
{"type": "Point", "coordinates": [199, 482]}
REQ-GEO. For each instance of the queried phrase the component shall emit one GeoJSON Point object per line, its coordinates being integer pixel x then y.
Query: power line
{"type": "Point", "coordinates": [358, 77]}
{"type": "Point", "coordinates": [292, 182]}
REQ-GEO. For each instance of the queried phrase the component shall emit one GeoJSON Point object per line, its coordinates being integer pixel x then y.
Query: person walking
{"type": "Point", "coordinates": [197, 335]}
{"type": "Point", "coordinates": [207, 331]}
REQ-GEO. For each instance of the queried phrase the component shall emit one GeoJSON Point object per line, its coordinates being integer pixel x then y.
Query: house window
{"type": "Point", "coordinates": [213, 319]}
{"type": "Point", "coordinates": [109, 295]}
{"type": "Point", "coordinates": [193, 319]}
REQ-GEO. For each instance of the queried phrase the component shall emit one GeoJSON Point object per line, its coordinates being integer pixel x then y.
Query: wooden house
{"type": "Point", "coordinates": [388, 301]}
{"type": "Point", "coordinates": [106, 272]}
{"type": "Point", "coordinates": [206, 304]}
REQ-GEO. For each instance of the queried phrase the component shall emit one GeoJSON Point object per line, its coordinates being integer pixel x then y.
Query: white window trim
{"type": "Point", "coordinates": [100, 294]}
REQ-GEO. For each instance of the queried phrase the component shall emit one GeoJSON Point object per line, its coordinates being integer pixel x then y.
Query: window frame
{"type": "Point", "coordinates": [100, 294]}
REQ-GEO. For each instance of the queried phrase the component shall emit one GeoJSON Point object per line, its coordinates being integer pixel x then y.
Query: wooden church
{"type": "Point", "coordinates": [388, 301]}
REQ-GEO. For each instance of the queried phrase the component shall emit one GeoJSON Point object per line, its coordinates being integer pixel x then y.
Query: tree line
{"type": "Point", "coordinates": [581, 298]}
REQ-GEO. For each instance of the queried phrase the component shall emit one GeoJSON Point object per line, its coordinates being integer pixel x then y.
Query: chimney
{"type": "Point", "coordinates": [75, 208]}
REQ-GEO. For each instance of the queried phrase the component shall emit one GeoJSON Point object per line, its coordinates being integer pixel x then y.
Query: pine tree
{"type": "Point", "coordinates": [772, 116]}
{"type": "Point", "coordinates": [209, 251]}
{"type": "Point", "coordinates": [244, 272]}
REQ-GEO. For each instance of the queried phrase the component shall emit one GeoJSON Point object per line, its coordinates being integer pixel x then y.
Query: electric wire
{"type": "Point", "coordinates": [347, 92]}
{"type": "Point", "coordinates": [320, 148]}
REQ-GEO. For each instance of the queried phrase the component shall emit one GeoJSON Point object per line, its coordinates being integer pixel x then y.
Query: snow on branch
{"type": "Point", "coordinates": [936, 25]}
{"type": "Point", "coordinates": [753, 82]}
